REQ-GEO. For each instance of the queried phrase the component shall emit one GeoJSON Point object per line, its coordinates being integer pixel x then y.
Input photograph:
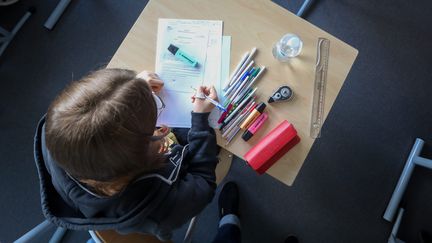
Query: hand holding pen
{"type": "Point", "coordinates": [205, 99]}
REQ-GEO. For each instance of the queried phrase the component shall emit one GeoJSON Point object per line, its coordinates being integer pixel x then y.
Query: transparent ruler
{"type": "Point", "coordinates": [317, 117]}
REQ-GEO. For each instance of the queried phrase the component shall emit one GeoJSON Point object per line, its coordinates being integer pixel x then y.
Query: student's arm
{"type": "Point", "coordinates": [196, 188]}
{"type": "Point", "coordinates": [202, 153]}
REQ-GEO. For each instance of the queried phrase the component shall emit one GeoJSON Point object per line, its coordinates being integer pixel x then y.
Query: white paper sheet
{"type": "Point", "coordinates": [191, 36]}
{"type": "Point", "coordinates": [202, 39]}
{"type": "Point", "coordinates": [225, 64]}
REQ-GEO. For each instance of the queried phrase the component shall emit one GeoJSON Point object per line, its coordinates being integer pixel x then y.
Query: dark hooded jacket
{"type": "Point", "coordinates": [154, 203]}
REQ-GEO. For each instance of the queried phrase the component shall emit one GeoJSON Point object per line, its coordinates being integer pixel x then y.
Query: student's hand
{"type": "Point", "coordinates": [152, 79]}
{"type": "Point", "coordinates": [203, 105]}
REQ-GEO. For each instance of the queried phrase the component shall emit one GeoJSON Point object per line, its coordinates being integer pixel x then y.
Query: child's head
{"type": "Point", "coordinates": [101, 127]}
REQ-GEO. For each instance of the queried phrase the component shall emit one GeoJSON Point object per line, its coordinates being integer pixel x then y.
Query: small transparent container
{"type": "Point", "coordinates": [289, 46]}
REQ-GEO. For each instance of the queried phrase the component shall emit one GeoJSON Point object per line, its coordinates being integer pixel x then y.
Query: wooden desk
{"type": "Point", "coordinates": [258, 23]}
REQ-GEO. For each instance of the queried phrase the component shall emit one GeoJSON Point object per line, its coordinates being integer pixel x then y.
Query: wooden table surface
{"type": "Point", "coordinates": [258, 23]}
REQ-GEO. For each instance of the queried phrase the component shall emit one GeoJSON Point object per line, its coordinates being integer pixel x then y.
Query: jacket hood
{"type": "Point", "coordinates": [69, 204]}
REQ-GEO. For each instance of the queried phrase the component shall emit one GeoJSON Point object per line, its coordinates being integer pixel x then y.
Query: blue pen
{"type": "Point", "coordinates": [214, 102]}
{"type": "Point", "coordinates": [246, 74]}
{"type": "Point", "coordinates": [240, 84]}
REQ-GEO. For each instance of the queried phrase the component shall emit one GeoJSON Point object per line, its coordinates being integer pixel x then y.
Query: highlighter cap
{"type": "Point", "coordinates": [261, 106]}
{"type": "Point", "coordinates": [173, 49]}
{"type": "Point", "coordinates": [247, 135]}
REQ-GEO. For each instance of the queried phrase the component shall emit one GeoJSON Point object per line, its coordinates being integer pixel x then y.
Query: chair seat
{"type": "Point", "coordinates": [111, 236]}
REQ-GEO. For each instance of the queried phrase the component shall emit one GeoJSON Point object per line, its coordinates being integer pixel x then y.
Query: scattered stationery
{"type": "Point", "coordinates": [240, 96]}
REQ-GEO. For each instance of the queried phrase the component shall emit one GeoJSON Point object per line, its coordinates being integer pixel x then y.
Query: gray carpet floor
{"type": "Point", "coordinates": [347, 179]}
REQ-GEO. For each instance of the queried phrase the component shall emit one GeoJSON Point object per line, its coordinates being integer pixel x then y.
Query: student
{"type": "Point", "coordinates": [103, 164]}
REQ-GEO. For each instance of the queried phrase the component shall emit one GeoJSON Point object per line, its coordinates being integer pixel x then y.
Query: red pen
{"type": "Point", "coordinates": [225, 114]}
{"type": "Point", "coordinates": [255, 126]}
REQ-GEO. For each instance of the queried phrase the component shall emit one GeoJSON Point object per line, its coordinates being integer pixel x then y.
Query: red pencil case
{"type": "Point", "coordinates": [272, 147]}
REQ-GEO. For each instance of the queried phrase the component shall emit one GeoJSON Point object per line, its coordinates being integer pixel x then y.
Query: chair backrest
{"type": "Point", "coordinates": [111, 236]}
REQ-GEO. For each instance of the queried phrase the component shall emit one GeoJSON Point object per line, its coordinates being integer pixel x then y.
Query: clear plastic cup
{"type": "Point", "coordinates": [289, 46]}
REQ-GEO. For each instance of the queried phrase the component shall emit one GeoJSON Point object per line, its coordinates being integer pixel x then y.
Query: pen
{"type": "Point", "coordinates": [247, 74]}
{"type": "Point", "coordinates": [234, 129]}
{"type": "Point", "coordinates": [262, 69]}
{"type": "Point", "coordinates": [225, 113]}
{"type": "Point", "coordinates": [250, 77]}
{"type": "Point", "coordinates": [214, 102]}
{"type": "Point", "coordinates": [236, 70]}
{"type": "Point", "coordinates": [241, 104]}
{"type": "Point", "coordinates": [232, 115]}
{"type": "Point", "coordinates": [239, 119]}
{"type": "Point", "coordinates": [242, 97]}
{"type": "Point", "coordinates": [233, 125]}
{"type": "Point", "coordinates": [234, 120]}
{"type": "Point", "coordinates": [246, 62]}
{"type": "Point", "coordinates": [233, 133]}
{"type": "Point", "coordinates": [238, 78]}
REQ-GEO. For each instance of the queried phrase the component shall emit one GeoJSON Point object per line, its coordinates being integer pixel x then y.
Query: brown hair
{"type": "Point", "coordinates": [100, 127]}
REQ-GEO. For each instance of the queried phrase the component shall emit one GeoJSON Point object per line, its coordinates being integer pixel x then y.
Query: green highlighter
{"type": "Point", "coordinates": [182, 55]}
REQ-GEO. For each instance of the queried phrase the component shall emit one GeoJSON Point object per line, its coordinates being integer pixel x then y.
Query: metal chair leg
{"type": "Point", "coordinates": [189, 231]}
{"type": "Point", "coordinates": [58, 235]}
{"type": "Point", "coordinates": [303, 8]}
{"type": "Point", "coordinates": [8, 36]}
{"type": "Point", "coordinates": [56, 13]}
{"type": "Point", "coordinates": [413, 160]}
{"type": "Point", "coordinates": [393, 236]}
{"type": "Point", "coordinates": [41, 229]}
{"type": "Point", "coordinates": [34, 233]}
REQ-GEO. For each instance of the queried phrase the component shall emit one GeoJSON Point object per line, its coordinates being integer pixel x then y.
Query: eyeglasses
{"type": "Point", "coordinates": [160, 105]}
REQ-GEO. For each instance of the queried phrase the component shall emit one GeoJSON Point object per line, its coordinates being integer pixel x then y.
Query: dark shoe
{"type": "Point", "coordinates": [229, 199]}
{"type": "Point", "coordinates": [291, 239]}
